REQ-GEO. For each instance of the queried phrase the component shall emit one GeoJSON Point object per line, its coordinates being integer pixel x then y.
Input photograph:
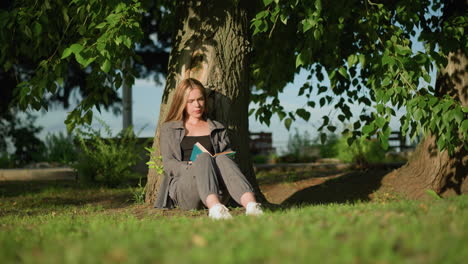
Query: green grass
{"type": "Point", "coordinates": [78, 224]}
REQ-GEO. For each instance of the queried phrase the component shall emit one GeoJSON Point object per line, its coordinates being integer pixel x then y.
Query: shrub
{"type": "Point", "coordinates": [60, 148]}
{"type": "Point", "coordinates": [6, 161]}
{"type": "Point", "coordinates": [260, 159]}
{"type": "Point", "coordinates": [138, 193]}
{"type": "Point", "coordinates": [329, 148]}
{"type": "Point", "coordinates": [106, 160]}
{"type": "Point", "coordinates": [361, 152]}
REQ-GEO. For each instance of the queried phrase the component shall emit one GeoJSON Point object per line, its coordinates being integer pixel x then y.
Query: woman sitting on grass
{"type": "Point", "coordinates": [207, 180]}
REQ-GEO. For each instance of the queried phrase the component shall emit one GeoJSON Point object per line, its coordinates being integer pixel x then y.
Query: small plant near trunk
{"type": "Point", "coordinates": [155, 161]}
{"type": "Point", "coordinates": [106, 160]}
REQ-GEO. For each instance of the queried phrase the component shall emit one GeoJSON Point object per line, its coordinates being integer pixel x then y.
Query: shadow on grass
{"type": "Point", "coordinates": [43, 197]}
{"type": "Point", "coordinates": [10, 189]}
{"type": "Point", "coordinates": [350, 188]}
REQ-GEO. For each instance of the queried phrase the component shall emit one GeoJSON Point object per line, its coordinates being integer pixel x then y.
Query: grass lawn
{"type": "Point", "coordinates": [64, 222]}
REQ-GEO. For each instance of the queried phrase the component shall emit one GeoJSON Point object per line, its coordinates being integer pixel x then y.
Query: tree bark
{"type": "Point", "coordinates": [212, 45]}
{"type": "Point", "coordinates": [430, 169]}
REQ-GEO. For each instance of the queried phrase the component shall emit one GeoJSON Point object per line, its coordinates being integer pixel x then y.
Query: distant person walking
{"type": "Point", "coordinates": [207, 180]}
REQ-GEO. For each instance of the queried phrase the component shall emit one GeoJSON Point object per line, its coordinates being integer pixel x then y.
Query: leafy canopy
{"type": "Point", "coordinates": [98, 34]}
{"type": "Point", "coordinates": [364, 49]}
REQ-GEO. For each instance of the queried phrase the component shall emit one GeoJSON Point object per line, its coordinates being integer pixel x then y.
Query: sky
{"type": "Point", "coordinates": [146, 103]}
{"type": "Point", "coordinates": [147, 99]}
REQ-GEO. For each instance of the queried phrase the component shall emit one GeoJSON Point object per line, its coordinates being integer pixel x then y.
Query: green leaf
{"type": "Point", "coordinates": [87, 62]}
{"type": "Point", "coordinates": [341, 118]}
{"type": "Point", "coordinates": [331, 128]}
{"type": "Point", "coordinates": [318, 4]}
{"type": "Point", "coordinates": [322, 89]}
{"type": "Point", "coordinates": [262, 14]}
{"type": "Point", "coordinates": [343, 72]}
{"type": "Point", "coordinates": [7, 65]}
{"type": "Point", "coordinates": [418, 114]}
{"type": "Point", "coordinates": [367, 129]}
{"type": "Point", "coordinates": [80, 59]}
{"type": "Point", "coordinates": [402, 50]}
{"type": "Point", "coordinates": [303, 114]}
{"type": "Point", "coordinates": [67, 52]}
{"type": "Point", "coordinates": [307, 24]}
{"type": "Point", "coordinates": [387, 60]}
{"type": "Point", "coordinates": [281, 115]}
{"type": "Point", "coordinates": [105, 67]}
{"type": "Point", "coordinates": [323, 138]}
{"type": "Point", "coordinates": [299, 60]}
{"type": "Point", "coordinates": [365, 101]}
{"type": "Point", "coordinates": [267, 2]}
{"type": "Point", "coordinates": [458, 114]}
{"type": "Point", "coordinates": [322, 102]}
{"type": "Point", "coordinates": [380, 121]}
{"type": "Point", "coordinates": [386, 81]}
{"type": "Point", "coordinates": [464, 125]}
{"type": "Point", "coordinates": [352, 59]}
{"type": "Point", "coordinates": [311, 104]}
{"type": "Point", "coordinates": [362, 59]}
{"type": "Point", "coordinates": [380, 108]}
{"type": "Point", "coordinates": [37, 29]}
{"type": "Point", "coordinates": [113, 19]}
{"type": "Point", "coordinates": [27, 31]}
{"type": "Point", "coordinates": [317, 34]}
{"type": "Point", "coordinates": [284, 19]}
{"type": "Point", "coordinates": [326, 120]}
{"type": "Point", "coordinates": [101, 25]}
{"type": "Point", "coordinates": [384, 143]}
{"type": "Point", "coordinates": [127, 42]}
{"type": "Point", "coordinates": [441, 142]}
{"type": "Point", "coordinates": [76, 48]}
{"type": "Point", "coordinates": [66, 18]}
{"type": "Point", "coordinates": [88, 117]}
{"type": "Point", "coordinates": [427, 78]}
{"type": "Point", "coordinates": [287, 123]}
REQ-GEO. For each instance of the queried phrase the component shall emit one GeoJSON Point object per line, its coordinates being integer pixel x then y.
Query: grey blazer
{"type": "Point", "coordinates": [170, 138]}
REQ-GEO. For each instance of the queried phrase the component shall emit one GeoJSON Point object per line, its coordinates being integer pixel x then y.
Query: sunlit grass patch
{"type": "Point", "coordinates": [102, 228]}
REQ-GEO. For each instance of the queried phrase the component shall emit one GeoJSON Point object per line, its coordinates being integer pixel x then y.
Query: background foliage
{"type": "Point", "coordinates": [106, 159]}
{"type": "Point", "coordinates": [19, 133]}
{"type": "Point", "coordinates": [365, 50]}
{"type": "Point", "coordinates": [99, 36]}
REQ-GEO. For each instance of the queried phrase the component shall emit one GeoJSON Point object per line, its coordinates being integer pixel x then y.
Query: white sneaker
{"type": "Point", "coordinates": [253, 208]}
{"type": "Point", "coordinates": [219, 211]}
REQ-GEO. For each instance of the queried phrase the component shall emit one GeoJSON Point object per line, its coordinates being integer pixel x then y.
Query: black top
{"type": "Point", "coordinates": [187, 145]}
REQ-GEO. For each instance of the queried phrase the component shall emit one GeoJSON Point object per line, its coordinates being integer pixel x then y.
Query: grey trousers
{"type": "Point", "coordinates": [208, 175]}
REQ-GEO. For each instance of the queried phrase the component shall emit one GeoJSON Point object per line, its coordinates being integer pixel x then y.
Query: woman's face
{"type": "Point", "coordinates": [195, 104]}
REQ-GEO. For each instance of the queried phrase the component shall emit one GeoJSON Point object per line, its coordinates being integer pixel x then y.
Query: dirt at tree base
{"type": "Point", "coordinates": [348, 187]}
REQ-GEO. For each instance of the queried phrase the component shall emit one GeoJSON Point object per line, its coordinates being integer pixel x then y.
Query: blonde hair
{"type": "Point", "coordinates": [177, 108]}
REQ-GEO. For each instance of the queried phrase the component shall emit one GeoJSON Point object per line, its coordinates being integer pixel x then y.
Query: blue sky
{"type": "Point", "coordinates": [146, 103]}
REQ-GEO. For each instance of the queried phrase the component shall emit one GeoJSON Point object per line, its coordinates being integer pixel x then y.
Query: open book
{"type": "Point", "coordinates": [198, 148]}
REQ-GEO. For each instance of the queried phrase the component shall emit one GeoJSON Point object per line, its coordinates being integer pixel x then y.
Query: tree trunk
{"type": "Point", "coordinates": [212, 45]}
{"type": "Point", "coordinates": [430, 169]}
